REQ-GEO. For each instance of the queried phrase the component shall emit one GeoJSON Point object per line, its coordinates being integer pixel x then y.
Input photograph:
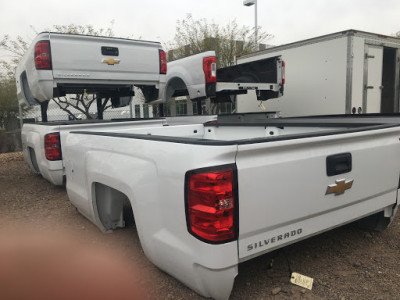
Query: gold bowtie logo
{"type": "Point", "coordinates": [339, 187]}
{"type": "Point", "coordinates": [111, 61]}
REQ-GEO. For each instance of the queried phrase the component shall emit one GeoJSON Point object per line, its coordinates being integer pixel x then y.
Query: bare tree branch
{"type": "Point", "coordinates": [104, 104]}
{"type": "Point", "coordinates": [80, 105]}
{"type": "Point", "coordinates": [65, 108]}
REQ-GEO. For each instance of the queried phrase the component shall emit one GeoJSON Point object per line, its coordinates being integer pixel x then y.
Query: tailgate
{"type": "Point", "coordinates": [265, 76]}
{"type": "Point", "coordinates": [103, 58]}
{"type": "Point", "coordinates": [283, 185]}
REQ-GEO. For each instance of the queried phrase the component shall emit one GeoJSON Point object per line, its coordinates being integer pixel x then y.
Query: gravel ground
{"type": "Point", "coordinates": [346, 263]}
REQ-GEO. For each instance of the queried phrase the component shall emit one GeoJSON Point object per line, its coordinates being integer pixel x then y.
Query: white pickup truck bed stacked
{"type": "Point", "coordinates": [57, 64]}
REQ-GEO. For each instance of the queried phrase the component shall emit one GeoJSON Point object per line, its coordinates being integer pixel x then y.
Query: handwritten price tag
{"type": "Point", "coordinates": [301, 280]}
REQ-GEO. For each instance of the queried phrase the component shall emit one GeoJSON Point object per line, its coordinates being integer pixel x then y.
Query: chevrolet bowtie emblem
{"type": "Point", "coordinates": [339, 187]}
{"type": "Point", "coordinates": [111, 61]}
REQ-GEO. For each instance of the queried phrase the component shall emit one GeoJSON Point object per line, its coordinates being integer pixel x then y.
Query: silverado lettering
{"type": "Point", "coordinates": [274, 239]}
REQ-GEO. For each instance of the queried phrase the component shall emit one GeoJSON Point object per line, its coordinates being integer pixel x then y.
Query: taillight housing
{"type": "Point", "coordinates": [210, 69]}
{"type": "Point", "coordinates": [283, 71]}
{"type": "Point", "coordinates": [52, 146]}
{"type": "Point", "coordinates": [212, 204]}
{"type": "Point", "coordinates": [42, 55]}
{"type": "Point", "coordinates": [163, 62]}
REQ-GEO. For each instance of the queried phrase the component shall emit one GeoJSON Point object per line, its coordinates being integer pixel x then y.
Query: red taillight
{"type": "Point", "coordinates": [283, 72]}
{"type": "Point", "coordinates": [52, 146]}
{"type": "Point", "coordinates": [163, 62]}
{"type": "Point", "coordinates": [42, 55]}
{"type": "Point", "coordinates": [211, 205]}
{"type": "Point", "coordinates": [210, 69]}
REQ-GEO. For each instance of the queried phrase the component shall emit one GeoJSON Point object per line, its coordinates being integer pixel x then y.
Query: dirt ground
{"type": "Point", "coordinates": [346, 263]}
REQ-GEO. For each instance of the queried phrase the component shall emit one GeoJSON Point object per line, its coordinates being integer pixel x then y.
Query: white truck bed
{"type": "Point", "coordinates": [197, 76]}
{"type": "Point", "coordinates": [57, 64]}
{"type": "Point", "coordinates": [206, 197]}
{"type": "Point", "coordinates": [34, 135]}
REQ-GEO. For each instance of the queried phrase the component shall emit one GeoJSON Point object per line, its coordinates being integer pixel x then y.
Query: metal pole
{"type": "Point", "coordinates": [256, 28]}
{"type": "Point", "coordinates": [130, 108]}
{"type": "Point", "coordinates": [161, 110]}
{"type": "Point", "coordinates": [99, 109]}
{"type": "Point", "coordinates": [199, 107]}
{"type": "Point", "coordinates": [43, 109]}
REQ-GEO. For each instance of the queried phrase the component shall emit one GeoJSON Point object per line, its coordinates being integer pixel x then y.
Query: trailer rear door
{"type": "Point", "coordinates": [373, 79]}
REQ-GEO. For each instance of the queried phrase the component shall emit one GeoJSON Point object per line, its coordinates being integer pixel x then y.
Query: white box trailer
{"type": "Point", "coordinates": [351, 72]}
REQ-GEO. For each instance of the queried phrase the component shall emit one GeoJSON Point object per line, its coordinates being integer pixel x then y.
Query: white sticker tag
{"type": "Point", "coordinates": [301, 280]}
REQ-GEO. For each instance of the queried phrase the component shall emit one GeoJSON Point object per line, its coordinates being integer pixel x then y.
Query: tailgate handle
{"type": "Point", "coordinates": [110, 51]}
{"type": "Point", "coordinates": [338, 164]}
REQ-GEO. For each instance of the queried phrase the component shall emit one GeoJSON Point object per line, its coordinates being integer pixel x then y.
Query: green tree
{"type": "Point", "coordinates": [196, 36]}
{"type": "Point", "coordinates": [8, 101]}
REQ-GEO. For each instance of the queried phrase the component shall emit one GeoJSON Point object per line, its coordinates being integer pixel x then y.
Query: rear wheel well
{"type": "Point", "coordinates": [33, 159]}
{"type": "Point", "coordinates": [26, 90]}
{"type": "Point", "coordinates": [113, 207]}
{"type": "Point", "coordinates": [176, 87]}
